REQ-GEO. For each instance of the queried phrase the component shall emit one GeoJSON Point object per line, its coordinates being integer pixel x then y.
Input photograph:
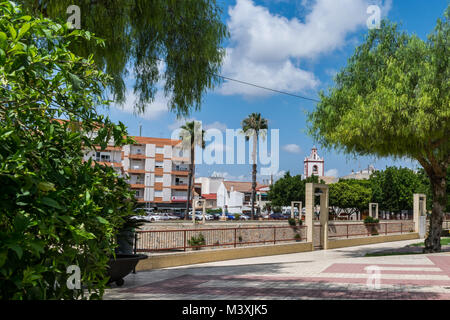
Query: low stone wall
{"type": "Point", "coordinates": [187, 258]}
{"type": "Point", "coordinates": [175, 237]}
{"type": "Point", "coordinates": [334, 244]}
{"type": "Point", "coordinates": [357, 229]}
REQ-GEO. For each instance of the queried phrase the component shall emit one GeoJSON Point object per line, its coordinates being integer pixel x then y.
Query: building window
{"type": "Point", "coordinates": [159, 150]}
{"type": "Point", "coordinates": [159, 165]}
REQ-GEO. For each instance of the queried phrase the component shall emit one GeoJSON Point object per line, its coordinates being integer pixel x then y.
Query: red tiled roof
{"type": "Point", "coordinates": [210, 196]}
{"type": "Point", "coordinates": [240, 186]}
{"type": "Point", "coordinates": [261, 187]}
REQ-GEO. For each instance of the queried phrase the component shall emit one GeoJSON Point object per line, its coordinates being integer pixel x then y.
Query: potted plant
{"type": "Point", "coordinates": [371, 225]}
{"type": "Point", "coordinates": [197, 241]}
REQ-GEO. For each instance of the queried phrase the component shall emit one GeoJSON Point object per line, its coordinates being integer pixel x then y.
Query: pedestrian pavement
{"type": "Point", "coordinates": [326, 274]}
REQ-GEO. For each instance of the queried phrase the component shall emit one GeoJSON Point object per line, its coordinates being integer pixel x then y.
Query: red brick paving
{"type": "Point", "coordinates": [190, 284]}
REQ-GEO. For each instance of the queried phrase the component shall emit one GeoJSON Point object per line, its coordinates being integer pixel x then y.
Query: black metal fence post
{"type": "Point", "coordinates": [135, 248]}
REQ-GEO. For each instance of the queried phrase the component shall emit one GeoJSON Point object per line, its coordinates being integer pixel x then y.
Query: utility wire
{"type": "Point", "coordinates": [266, 88]}
{"type": "Point", "coordinates": [257, 86]}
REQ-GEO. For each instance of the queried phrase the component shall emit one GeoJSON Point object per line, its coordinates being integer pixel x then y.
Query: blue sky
{"type": "Point", "coordinates": [293, 46]}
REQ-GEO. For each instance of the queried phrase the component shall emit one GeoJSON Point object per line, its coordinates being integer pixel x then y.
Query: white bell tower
{"type": "Point", "coordinates": [313, 165]}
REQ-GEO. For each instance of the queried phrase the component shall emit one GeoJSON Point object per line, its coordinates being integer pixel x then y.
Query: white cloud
{"type": "Point", "coordinates": [179, 122]}
{"type": "Point", "coordinates": [229, 177]}
{"type": "Point", "coordinates": [215, 125]}
{"type": "Point", "coordinates": [153, 111]}
{"type": "Point", "coordinates": [266, 49]}
{"type": "Point", "coordinates": [291, 148]}
{"type": "Point", "coordinates": [331, 173]}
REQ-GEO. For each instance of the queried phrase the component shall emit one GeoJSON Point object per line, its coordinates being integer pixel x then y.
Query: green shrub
{"type": "Point", "coordinates": [237, 216]}
{"type": "Point", "coordinates": [214, 210]}
{"type": "Point", "coordinates": [370, 219]}
{"type": "Point", "coordinates": [197, 241]}
{"type": "Point", "coordinates": [55, 209]}
{"type": "Point", "coordinates": [291, 221]}
{"type": "Point", "coordinates": [297, 236]}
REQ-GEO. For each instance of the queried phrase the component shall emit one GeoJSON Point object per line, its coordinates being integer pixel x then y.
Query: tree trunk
{"type": "Point", "coordinates": [438, 185]}
{"type": "Point", "coordinates": [255, 141]}
{"type": "Point", "coordinates": [253, 190]}
{"type": "Point", "coordinates": [190, 184]}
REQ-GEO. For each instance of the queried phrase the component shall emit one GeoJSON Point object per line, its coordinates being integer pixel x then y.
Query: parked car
{"type": "Point", "coordinates": [216, 215]}
{"type": "Point", "coordinates": [230, 216]}
{"type": "Point", "coordinates": [279, 216]}
{"type": "Point", "coordinates": [169, 216]}
{"type": "Point", "coordinates": [243, 216]}
{"type": "Point", "coordinates": [156, 217]}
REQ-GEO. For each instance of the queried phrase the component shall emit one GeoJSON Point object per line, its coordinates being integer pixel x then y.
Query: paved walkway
{"type": "Point", "coordinates": [332, 274]}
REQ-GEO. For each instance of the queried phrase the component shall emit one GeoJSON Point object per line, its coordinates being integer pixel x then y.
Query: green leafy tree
{"type": "Point", "coordinates": [140, 34]}
{"type": "Point", "coordinates": [393, 188]}
{"type": "Point", "coordinates": [349, 196]}
{"type": "Point", "coordinates": [55, 209]}
{"type": "Point", "coordinates": [289, 188]}
{"type": "Point", "coordinates": [253, 127]}
{"type": "Point", "coordinates": [192, 135]}
{"type": "Point", "coordinates": [392, 99]}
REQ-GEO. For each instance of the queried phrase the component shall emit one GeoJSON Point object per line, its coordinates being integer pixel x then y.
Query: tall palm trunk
{"type": "Point", "coordinates": [255, 140]}
{"type": "Point", "coordinates": [190, 182]}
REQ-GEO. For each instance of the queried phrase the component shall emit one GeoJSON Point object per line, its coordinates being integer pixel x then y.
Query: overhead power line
{"type": "Point", "coordinates": [266, 88]}
{"type": "Point", "coordinates": [257, 86]}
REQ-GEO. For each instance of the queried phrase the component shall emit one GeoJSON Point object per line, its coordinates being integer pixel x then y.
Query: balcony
{"type": "Point", "coordinates": [137, 186]}
{"type": "Point", "coordinates": [179, 186]}
{"type": "Point", "coordinates": [136, 156]}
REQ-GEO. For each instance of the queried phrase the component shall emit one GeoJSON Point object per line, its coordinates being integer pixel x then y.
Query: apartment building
{"type": "Point", "coordinates": [157, 170]}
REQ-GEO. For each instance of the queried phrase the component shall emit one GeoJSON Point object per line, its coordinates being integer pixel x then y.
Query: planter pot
{"type": "Point", "coordinates": [120, 267]}
{"type": "Point", "coordinates": [125, 241]}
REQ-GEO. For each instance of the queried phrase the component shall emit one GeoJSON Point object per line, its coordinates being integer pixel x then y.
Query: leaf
{"type": "Point", "coordinates": [46, 186]}
{"type": "Point", "coordinates": [3, 41]}
{"type": "Point", "coordinates": [37, 246]}
{"type": "Point", "coordinates": [17, 249]}
{"type": "Point", "coordinates": [21, 223]}
{"type": "Point", "coordinates": [12, 31]}
{"type": "Point", "coordinates": [50, 202]}
{"type": "Point", "coordinates": [66, 219]}
{"type": "Point", "coordinates": [102, 220]}
{"type": "Point", "coordinates": [23, 30]}
{"type": "Point", "coordinates": [3, 257]}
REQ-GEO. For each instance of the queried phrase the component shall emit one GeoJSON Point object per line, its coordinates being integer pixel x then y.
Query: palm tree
{"type": "Point", "coordinates": [254, 126]}
{"type": "Point", "coordinates": [192, 135]}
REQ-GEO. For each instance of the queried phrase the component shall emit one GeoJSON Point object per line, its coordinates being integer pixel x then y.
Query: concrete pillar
{"type": "Point", "coordinates": [324, 217]}
{"type": "Point", "coordinates": [371, 213]}
{"type": "Point", "coordinates": [204, 211]}
{"type": "Point", "coordinates": [292, 209]}
{"type": "Point", "coordinates": [309, 212]}
{"type": "Point", "coordinates": [419, 206]}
